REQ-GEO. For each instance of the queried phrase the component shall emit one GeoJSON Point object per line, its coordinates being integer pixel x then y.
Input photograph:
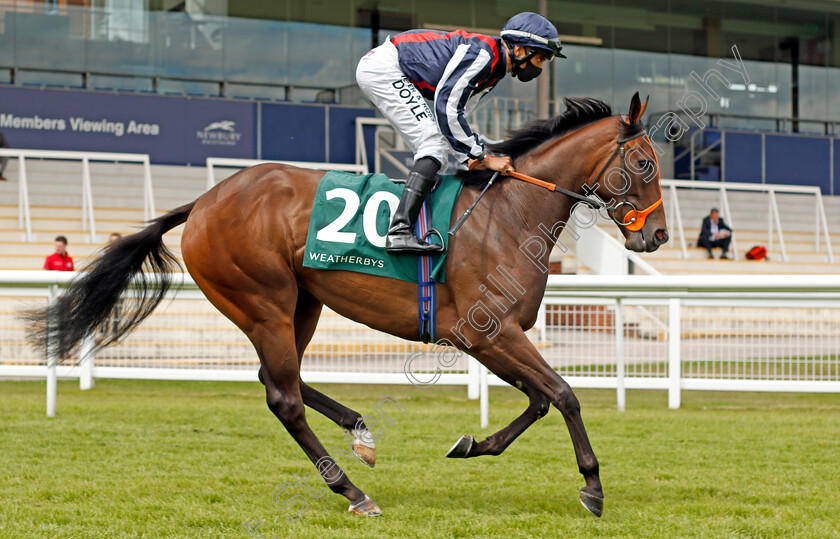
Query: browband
{"type": "Point", "coordinates": [629, 131]}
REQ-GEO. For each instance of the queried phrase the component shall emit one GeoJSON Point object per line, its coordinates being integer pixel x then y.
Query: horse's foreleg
{"type": "Point", "coordinates": [591, 496]}
{"type": "Point", "coordinates": [513, 357]}
{"type": "Point", "coordinates": [496, 443]}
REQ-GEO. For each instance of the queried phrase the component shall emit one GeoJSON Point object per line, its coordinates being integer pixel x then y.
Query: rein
{"type": "Point", "coordinates": [627, 132]}
{"type": "Point", "coordinates": [553, 187]}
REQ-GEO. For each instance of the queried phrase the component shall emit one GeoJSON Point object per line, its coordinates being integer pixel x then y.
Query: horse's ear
{"type": "Point", "coordinates": [644, 108]}
{"type": "Point", "coordinates": [635, 109]}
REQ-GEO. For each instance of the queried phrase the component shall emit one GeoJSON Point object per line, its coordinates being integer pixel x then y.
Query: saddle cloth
{"type": "Point", "coordinates": [350, 218]}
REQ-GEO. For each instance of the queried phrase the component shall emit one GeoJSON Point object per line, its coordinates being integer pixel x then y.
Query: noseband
{"type": "Point", "coordinates": [626, 133]}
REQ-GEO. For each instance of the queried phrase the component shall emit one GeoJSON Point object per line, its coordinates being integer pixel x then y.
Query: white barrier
{"type": "Point", "coordinates": [244, 163]}
{"type": "Point", "coordinates": [88, 221]}
{"type": "Point", "coordinates": [674, 333]}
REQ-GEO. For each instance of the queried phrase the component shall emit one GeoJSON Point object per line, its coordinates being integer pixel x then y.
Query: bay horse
{"type": "Point", "coordinates": [243, 244]}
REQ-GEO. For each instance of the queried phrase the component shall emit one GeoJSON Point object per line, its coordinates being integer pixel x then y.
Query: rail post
{"type": "Point", "coordinates": [52, 360]}
{"type": "Point", "coordinates": [86, 364]}
{"type": "Point", "coordinates": [674, 363]}
{"type": "Point", "coordinates": [619, 355]}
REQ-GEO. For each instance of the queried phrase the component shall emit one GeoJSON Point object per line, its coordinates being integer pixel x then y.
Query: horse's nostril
{"type": "Point", "coordinates": [661, 235]}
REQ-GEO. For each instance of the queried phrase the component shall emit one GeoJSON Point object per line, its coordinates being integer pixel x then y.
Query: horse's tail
{"type": "Point", "coordinates": [92, 300]}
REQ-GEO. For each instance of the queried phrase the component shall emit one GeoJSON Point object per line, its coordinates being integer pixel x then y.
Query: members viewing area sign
{"type": "Point", "coordinates": [172, 130]}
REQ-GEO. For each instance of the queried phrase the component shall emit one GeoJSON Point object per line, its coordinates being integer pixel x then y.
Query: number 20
{"type": "Point", "coordinates": [333, 233]}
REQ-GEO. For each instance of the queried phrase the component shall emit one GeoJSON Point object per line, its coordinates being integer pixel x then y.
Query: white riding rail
{"type": "Point", "coordinates": [721, 332]}
{"type": "Point", "coordinates": [88, 220]}
{"type": "Point", "coordinates": [244, 163]}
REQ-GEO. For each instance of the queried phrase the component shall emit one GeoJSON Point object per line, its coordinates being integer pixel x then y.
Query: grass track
{"type": "Point", "coordinates": [190, 459]}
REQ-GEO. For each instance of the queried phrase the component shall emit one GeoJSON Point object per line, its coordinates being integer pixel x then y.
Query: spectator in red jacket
{"type": "Point", "coordinates": [59, 260]}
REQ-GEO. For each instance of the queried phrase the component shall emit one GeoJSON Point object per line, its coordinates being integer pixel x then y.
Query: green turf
{"type": "Point", "coordinates": [177, 459]}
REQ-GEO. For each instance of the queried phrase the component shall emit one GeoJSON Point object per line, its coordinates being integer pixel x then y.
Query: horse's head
{"type": "Point", "coordinates": [629, 182]}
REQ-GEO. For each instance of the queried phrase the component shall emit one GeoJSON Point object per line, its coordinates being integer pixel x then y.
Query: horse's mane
{"type": "Point", "coordinates": [580, 111]}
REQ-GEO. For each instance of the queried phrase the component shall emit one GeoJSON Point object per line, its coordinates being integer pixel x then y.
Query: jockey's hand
{"type": "Point", "coordinates": [499, 163]}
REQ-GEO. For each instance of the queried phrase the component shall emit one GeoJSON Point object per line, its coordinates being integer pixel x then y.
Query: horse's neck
{"type": "Point", "coordinates": [565, 163]}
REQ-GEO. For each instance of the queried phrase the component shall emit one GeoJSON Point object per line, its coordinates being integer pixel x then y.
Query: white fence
{"type": "Point", "coordinates": [88, 220]}
{"type": "Point", "coordinates": [721, 332]}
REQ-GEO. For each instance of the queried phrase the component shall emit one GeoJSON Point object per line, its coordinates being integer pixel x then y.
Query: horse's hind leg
{"type": "Point", "coordinates": [359, 436]}
{"type": "Point", "coordinates": [281, 375]}
{"type": "Point", "coordinates": [307, 312]}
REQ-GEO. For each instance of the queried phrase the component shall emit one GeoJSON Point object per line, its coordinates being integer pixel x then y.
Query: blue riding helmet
{"type": "Point", "coordinates": [533, 30]}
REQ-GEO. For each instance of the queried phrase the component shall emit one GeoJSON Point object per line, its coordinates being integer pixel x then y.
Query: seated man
{"type": "Point", "coordinates": [715, 233]}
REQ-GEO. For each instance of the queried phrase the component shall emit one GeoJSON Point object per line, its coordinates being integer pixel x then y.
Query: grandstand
{"type": "Point", "coordinates": [122, 78]}
{"type": "Point", "coordinates": [55, 194]}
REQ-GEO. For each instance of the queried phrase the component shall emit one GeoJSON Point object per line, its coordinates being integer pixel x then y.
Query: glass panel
{"type": "Point", "coordinates": [45, 41]}
{"type": "Point", "coordinates": [255, 91]}
{"type": "Point", "coordinates": [256, 51]}
{"type": "Point", "coordinates": [121, 42]}
{"type": "Point", "coordinates": [188, 87]}
{"type": "Point", "coordinates": [645, 72]}
{"type": "Point", "coordinates": [813, 98]}
{"type": "Point", "coordinates": [49, 78]}
{"type": "Point", "coordinates": [783, 78]}
{"type": "Point", "coordinates": [189, 47]}
{"type": "Point", "coordinates": [109, 82]}
{"type": "Point", "coordinates": [262, 56]}
{"type": "Point", "coordinates": [324, 55]}
{"type": "Point", "coordinates": [7, 35]}
{"type": "Point", "coordinates": [763, 95]}
{"type": "Point", "coordinates": [834, 94]}
{"type": "Point", "coordinates": [588, 72]}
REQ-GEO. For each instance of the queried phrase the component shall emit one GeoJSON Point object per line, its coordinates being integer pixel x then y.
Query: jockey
{"type": "Point", "coordinates": [453, 71]}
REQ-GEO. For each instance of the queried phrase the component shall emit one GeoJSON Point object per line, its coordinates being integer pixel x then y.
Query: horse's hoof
{"type": "Point", "coordinates": [365, 508]}
{"type": "Point", "coordinates": [594, 504]}
{"type": "Point", "coordinates": [366, 454]}
{"type": "Point", "coordinates": [461, 448]}
{"type": "Point", "coordinates": [363, 445]}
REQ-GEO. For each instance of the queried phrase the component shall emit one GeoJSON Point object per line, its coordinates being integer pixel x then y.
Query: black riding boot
{"type": "Point", "coordinates": [401, 238]}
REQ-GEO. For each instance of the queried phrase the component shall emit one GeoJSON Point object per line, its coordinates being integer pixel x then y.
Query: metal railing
{"type": "Point", "coordinates": [498, 115]}
{"type": "Point", "coordinates": [88, 219]}
{"type": "Point", "coordinates": [774, 221]}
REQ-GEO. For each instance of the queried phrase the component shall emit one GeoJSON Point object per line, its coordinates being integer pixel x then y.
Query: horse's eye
{"type": "Point", "coordinates": [645, 163]}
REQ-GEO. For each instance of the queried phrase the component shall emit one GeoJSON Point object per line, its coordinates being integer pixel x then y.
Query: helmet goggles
{"type": "Point", "coordinates": [550, 47]}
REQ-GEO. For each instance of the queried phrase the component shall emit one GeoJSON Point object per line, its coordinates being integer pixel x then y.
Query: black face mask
{"type": "Point", "coordinates": [527, 73]}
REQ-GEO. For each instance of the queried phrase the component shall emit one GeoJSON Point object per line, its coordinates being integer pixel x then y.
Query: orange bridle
{"type": "Point", "coordinates": [637, 217]}
{"type": "Point", "coordinates": [628, 132]}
